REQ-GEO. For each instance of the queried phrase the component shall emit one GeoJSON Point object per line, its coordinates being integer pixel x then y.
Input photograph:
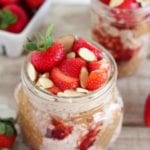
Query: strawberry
{"type": "Point", "coordinates": [72, 66]}
{"type": "Point", "coordinates": [7, 133]}
{"type": "Point", "coordinates": [46, 54]}
{"type": "Point", "coordinates": [105, 1]}
{"type": "Point", "coordinates": [81, 43]}
{"type": "Point", "coordinates": [147, 111]}
{"type": "Point", "coordinates": [8, 2]}
{"type": "Point", "coordinates": [13, 18]}
{"type": "Point", "coordinates": [96, 79]}
{"type": "Point", "coordinates": [129, 4]}
{"type": "Point", "coordinates": [54, 90]}
{"type": "Point", "coordinates": [99, 65]}
{"type": "Point", "coordinates": [63, 81]}
{"type": "Point", "coordinates": [34, 4]}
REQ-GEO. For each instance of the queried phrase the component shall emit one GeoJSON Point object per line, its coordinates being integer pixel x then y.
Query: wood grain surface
{"type": "Point", "coordinates": [134, 89]}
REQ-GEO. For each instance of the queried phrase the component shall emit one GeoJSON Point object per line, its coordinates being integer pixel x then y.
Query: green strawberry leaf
{"type": "Point", "coordinates": [31, 46]}
{"type": "Point", "coordinates": [6, 18]}
{"type": "Point", "coordinates": [49, 30]}
{"type": "Point", "coordinates": [2, 128]}
{"type": "Point", "coordinates": [9, 130]}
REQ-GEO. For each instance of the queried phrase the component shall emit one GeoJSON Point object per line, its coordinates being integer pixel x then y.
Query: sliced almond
{"type": "Point", "coordinates": [45, 83]}
{"type": "Point", "coordinates": [115, 3]}
{"type": "Point", "coordinates": [32, 73]}
{"type": "Point", "coordinates": [86, 54]}
{"type": "Point", "coordinates": [144, 2]}
{"type": "Point", "coordinates": [83, 76]}
{"type": "Point", "coordinates": [67, 41]}
{"type": "Point", "coordinates": [71, 55]}
{"type": "Point", "coordinates": [82, 90]}
{"type": "Point", "coordinates": [45, 75]}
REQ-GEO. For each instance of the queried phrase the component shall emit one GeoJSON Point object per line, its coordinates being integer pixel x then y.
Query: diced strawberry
{"type": "Point", "coordinates": [129, 4]}
{"type": "Point", "coordinates": [147, 111]}
{"type": "Point", "coordinates": [60, 131]}
{"type": "Point", "coordinates": [54, 90]}
{"type": "Point", "coordinates": [102, 65]}
{"type": "Point", "coordinates": [81, 43]}
{"type": "Point", "coordinates": [34, 4]}
{"type": "Point", "coordinates": [63, 81]}
{"type": "Point", "coordinates": [72, 66]}
{"type": "Point", "coordinates": [44, 61]}
{"type": "Point", "coordinates": [96, 79]}
{"type": "Point", "coordinates": [20, 21]}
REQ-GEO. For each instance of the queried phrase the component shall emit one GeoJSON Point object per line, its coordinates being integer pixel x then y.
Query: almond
{"type": "Point", "coordinates": [45, 75]}
{"type": "Point", "coordinates": [86, 54]}
{"type": "Point", "coordinates": [71, 55]}
{"type": "Point", "coordinates": [82, 90]}
{"type": "Point", "coordinates": [67, 41]}
{"type": "Point", "coordinates": [144, 2]}
{"type": "Point", "coordinates": [70, 93]}
{"type": "Point", "coordinates": [45, 83]}
{"type": "Point", "coordinates": [32, 73]}
{"type": "Point", "coordinates": [83, 76]}
{"type": "Point", "coordinates": [115, 3]}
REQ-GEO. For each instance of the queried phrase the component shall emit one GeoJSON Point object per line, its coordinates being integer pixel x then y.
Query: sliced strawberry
{"type": "Point", "coordinates": [18, 23]}
{"type": "Point", "coordinates": [60, 131]}
{"type": "Point", "coordinates": [105, 1]}
{"type": "Point", "coordinates": [63, 81]}
{"type": "Point", "coordinates": [147, 111]}
{"type": "Point", "coordinates": [72, 66]}
{"type": "Point", "coordinates": [54, 90]}
{"type": "Point", "coordinates": [34, 4]}
{"type": "Point", "coordinates": [44, 61]}
{"type": "Point", "coordinates": [102, 65]}
{"type": "Point", "coordinates": [129, 4]}
{"type": "Point", "coordinates": [81, 43]}
{"type": "Point", "coordinates": [96, 79]}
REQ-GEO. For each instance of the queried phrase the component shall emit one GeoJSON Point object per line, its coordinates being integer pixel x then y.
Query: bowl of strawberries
{"type": "Point", "coordinates": [18, 20]}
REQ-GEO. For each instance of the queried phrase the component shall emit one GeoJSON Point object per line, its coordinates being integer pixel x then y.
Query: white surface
{"type": "Point", "coordinates": [12, 43]}
{"type": "Point", "coordinates": [71, 1]}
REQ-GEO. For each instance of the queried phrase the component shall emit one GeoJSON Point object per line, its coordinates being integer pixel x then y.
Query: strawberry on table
{"type": "Point", "coordinates": [46, 53]}
{"type": "Point", "coordinates": [34, 4]}
{"type": "Point", "coordinates": [63, 81]}
{"type": "Point", "coordinates": [81, 43]}
{"type": "Point", "coordinates": [147, 111]}
{"type": "Point", "coordinates": [13, 18]}
{"type": "Point", "coordinates": [72, 66]}
{"type": "Point", "coordinates": [7, 133]}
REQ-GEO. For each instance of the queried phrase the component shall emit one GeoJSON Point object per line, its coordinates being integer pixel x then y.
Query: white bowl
{"type": "Point", "coordinates": [12, 43]}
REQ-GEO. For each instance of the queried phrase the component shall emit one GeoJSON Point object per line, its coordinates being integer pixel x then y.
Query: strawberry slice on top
{"type": "Point", "coordinates": [81, 43]}
{"type": "Point", "coordinates": [46, 53]}
{"type": "Point", "coordinates": [13, 18]}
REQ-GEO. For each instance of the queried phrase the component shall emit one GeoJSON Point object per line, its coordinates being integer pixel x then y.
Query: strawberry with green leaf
{"type": "Point", "coordinates": [46, 54]}
{"type": "Point", "coordinates": [7, 133]}
{"type": "Point", "coordinates": [13, 18]}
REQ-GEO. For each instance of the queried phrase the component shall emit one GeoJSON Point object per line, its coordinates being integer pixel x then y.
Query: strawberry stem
{"type": "Point", "coordinates": [6, 18]}
{"type": "Point", "coordinates": [42, 42]}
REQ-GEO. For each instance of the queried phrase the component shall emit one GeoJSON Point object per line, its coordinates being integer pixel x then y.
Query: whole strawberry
{"type": "Point", "coordinates": [46, 53]}
{"type": "Point", "coordinates": [8, 2]}
{"type": "Point", "coordinates": [13, 18]}
{"type": "Point", "coordinates": [7, 133]}
{"type": "Point", "coordinates": [34, 4]}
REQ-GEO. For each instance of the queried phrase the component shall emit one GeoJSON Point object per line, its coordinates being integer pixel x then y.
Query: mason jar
{"type": "Point", "coordinates": [88, 122]}
{"type": "Point", "coordinates": [125, 33]}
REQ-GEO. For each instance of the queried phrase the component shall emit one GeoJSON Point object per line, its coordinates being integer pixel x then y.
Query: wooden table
{"type": "Point", "coordinates": [134, 89]}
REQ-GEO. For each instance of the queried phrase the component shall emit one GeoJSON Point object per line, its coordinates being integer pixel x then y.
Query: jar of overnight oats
{"type": "Point", "coordinates": [88, 122]}
{"type": "Point", "coordinates": [125, 33]}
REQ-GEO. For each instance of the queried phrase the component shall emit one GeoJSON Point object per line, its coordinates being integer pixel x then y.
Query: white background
{"type": "Point", "coordinates": [72, 1]}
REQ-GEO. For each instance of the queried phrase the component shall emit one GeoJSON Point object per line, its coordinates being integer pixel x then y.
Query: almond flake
{"type": "Point", "coordinates": [86, 54]}
{"type": "Point", "coordinates": [45, 75]}
{"type": "Point", "coordinates": [70, 93]}
{"type": "Point", "coordinates": [45, 83]}
{"type": "Point", "coordinates": [67, 41]}
{"type": "Point", "coordinates": [32, 73]}
{"type": "Point", "coordinates": [115, 3]}
{"type": "Point", "coordinates": [144, 2]}
{"type": "Point", "coordinates": [83, 76]}
{"type": "Point", "coordinates": [71, 55]}
{"type": "Point", "coordinates": [81, 90]}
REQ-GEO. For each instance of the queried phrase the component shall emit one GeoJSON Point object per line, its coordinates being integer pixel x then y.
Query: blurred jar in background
{"type": "Point", "coordinates": [125, 33]}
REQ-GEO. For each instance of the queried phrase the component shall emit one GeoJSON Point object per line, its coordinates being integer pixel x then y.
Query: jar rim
{"type": "Point", "coordinates": [47, 96]}
{"type": "Point", "coordinates": [140, 10]}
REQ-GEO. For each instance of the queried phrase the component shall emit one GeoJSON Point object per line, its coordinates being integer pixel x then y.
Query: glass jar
{"type": "Point", "coordinates": [87, 122]}
{"type": "Point", "coordinates": [125, 33]}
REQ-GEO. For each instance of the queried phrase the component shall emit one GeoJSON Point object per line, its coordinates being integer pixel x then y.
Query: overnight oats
{"type": "Point", "coordinates": [123, 28]}
{"type": "Point", "coordinates": [68, 99]}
